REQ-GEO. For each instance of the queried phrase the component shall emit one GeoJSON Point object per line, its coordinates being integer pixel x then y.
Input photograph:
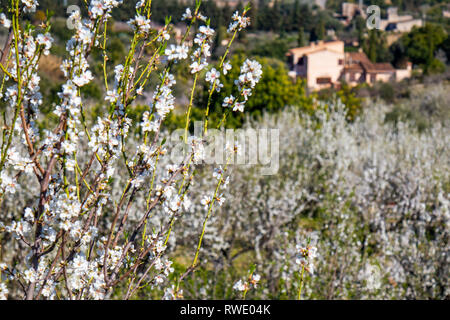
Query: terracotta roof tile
{"type": "Point", "coordinates": [314, 47]}
{"type": "Point", "coordinates": [383, 67]}
{"type": "Point", "coordinates": [353, 67]}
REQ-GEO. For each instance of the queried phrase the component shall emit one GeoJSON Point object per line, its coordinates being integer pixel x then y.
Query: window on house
{"type": "Point", "coordinates": [352, 77]}
{"type": "Point", "coordinates": [341, 62]}
{"type": "Point", "coordinates": [323, 80]}
{"type": "Point", "coordinates": [373, 77]}
{"type": "Point", "coordinates": [301, 61]}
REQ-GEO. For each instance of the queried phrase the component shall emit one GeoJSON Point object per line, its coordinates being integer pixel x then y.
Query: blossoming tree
{"type": "Point", "coordinates": [84, 227]}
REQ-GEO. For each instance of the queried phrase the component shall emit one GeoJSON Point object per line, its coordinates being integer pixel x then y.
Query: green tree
{"type": "Point", "coordinates": [296, 16]}
{"type": "Point", "coordinates": [301, 40]}
{"type": "Point", "coordinates": [318, 33]}
{"type": "Point", "coordinates": [276, 17]}
{"type": "Point", "coordinates": [275, 91]}
{"type": "Point", "coordinates": [360, 26]}
{"type": "Point", "coordinates": [370, 46]}
{"type": "Point", "coordinates": [276, 48]}
{"type": "Point", "coordinates": [376, 48]}
{"type": "Point", "coordinates": [445, 46]}
{"type": "Point", "coordinates": [421, 45]}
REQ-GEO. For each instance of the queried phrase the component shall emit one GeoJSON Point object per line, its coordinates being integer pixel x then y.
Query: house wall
{"type": "Point", "coordinates": [336, 46]}
{"type": "Point", "coordinates": [349, 9]}
{"type": "Point", "coordinates": [404, 23]}
{"type": "Point", "coordinates": [354, 80]}
{"type": "Point", "coordinates": [401, 74]}
{"type": "Point", "coordinates": [394, 17]}
{"type": "Point", "coordinates": [384, 77]}
{"type": "Point", "coordinates": [384, 23]}
{"type": "Point", "coordinates": [392, 13]}
{"type": "Point", "coordinates": [407, 26]}
{"type": "Point", "coordinates": [323, 64]}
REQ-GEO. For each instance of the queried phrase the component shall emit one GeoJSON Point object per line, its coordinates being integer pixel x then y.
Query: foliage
{"type": "Point", "coordinates": [275, 91]}
{"type": "Point", "coordinates": [371, 196]}
{"type": "Point", "coordinates": [301, 39]}
{"type": "Point", "coordinates": [318, 32]}
{"type": "Point", "coordinates": [421, 45]}
{"type": "Point", "coordinates": [425, 108]}
{"type": "Point", "coordinates": [346, 95]}
{"type": "Point", "coordinates": [283, 16]}
{"type": "Point", "coordinates": [273, 49]}
{"type": "Point", "coordinates": [375, 46]}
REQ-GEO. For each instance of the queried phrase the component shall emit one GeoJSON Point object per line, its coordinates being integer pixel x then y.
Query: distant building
{"type": "Point", "coordinates": [350, 10]}
{"type": "Point", "coordinates": [397, 23]}
{"type": "Point", "coordinates": [325, 65]}
{"type": "Point", "coordinates": [404, 26]}
{"type": "Point", "coordinates": [401, 74]}
{"type": "Point", "coordinates": [320, 3]}
{"type": "Point", "coordinates": [359, 69]}
{"type": "Point", "coordinates": [394, 21]}
{"type": "Point", "coordinates": [320, 64]}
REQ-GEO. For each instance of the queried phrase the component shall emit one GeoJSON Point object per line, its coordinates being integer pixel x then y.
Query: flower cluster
{"type": "Point", "coordinates": [141, 24]}
{"type": "Point", "coordinates": [203, 49]}
{"type": "Point", "coordinates": [252, 282]}
{"type": "Point", "coordinates": [212, 77]}
{"type": "Point", "coordinates": [100, 8]}
{"type": "Point", "coordinates": [177, 52]}
{"type": "Point", "coordinates": [172, 293]}
{"type": "Point", "coordinates": [251, 72]}
{"type": "Point", "coordinates": [30, 5]}
{"type": "Point", "coordinates": [305, 257]}
{"type": "Point", "coordinates": [239, 22]}
{"type": "Point", "coordinates": [4, 21]}
{"type": "Point", "coordinates": [188, 15]}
